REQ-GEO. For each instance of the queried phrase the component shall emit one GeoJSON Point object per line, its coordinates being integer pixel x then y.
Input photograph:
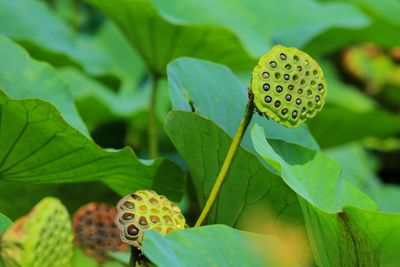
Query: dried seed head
{"type": "Point", "coordinates": [95, 231]}
{"type": "Point", "coordinates": [303, 80]}
{"type": "Point", "coordinates": [149, 211]}
{"type": "Point", "coordinates": [41, 238]}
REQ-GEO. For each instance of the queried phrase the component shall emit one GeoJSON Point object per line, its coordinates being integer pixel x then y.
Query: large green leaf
{"type": "Point", "coordinates": [248, 186]}
{"type": "Point", "coordinates": [4, 223]}
{"type": "Point", "coordinates": [257, 22]}
{"type": "Point", "coordinates": [159, 41]}
{"type": "Point", "coordinates": [213, 91]}
{"type": "Point", "coordinates": [99, 104]}
{"type": "Point", "coordinates": [344, 227]}
{"type": "Point", "coordinates": [38, 145]}
{"type": "Point", "coordinates": [215, 245]}
{"type": "Point", "coordinates": [379, 32]}
{"type": "Point", "coordinates": [21, 77]}
{"type": "Point", "coordinates": [47, 37]}
{"type": "Point", "coordinates": [359, 167]}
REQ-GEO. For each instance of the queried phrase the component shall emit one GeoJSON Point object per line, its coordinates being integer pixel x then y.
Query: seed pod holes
{"type": "Point", "coordinates": [294, 79]}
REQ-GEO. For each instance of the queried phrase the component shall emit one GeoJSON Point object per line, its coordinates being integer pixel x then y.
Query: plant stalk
{"type": "Point", "coordinates": [248, 115]}
{"type": "Point", "coordinates": [152, 126]}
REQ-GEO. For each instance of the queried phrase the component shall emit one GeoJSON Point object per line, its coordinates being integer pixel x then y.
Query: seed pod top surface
{"type": "Point", "coordinates": [95, 231]}
{"type": "Point", "coordinates": [145, 209]}
{"type": "Point", "coordinates": [40, 239]}
{"type": "Point", "coordinates": [288, 86]}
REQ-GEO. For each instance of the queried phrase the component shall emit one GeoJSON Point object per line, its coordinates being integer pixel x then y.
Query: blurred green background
{"type": "Point", "coordinates": [110, 53]}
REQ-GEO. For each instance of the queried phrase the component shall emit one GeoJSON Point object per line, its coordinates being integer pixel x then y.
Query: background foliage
{"type": "Point", "coordinates": [76, 94]}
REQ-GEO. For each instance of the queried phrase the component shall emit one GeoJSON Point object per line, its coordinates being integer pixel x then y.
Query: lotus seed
{"type": "Point", "coordinates": [298, 101]}
{"type": "Point", "coordinates": [279, 89]}
{"type": "Point", "coordinates": [268, 99]}
{"type": "Point", "coordinates": [317, 98]}
{"type": "Point", "coordinates": [291, 87]}
{"type": "Point", "coordinates": [320, 86]}
{"type": "Point", "coordinates": [284, 111]}
{"type": "Point", "coordinates": [288, 97]}
{"type": "Point", "coordinates": [266, 87]}
{"type": "Point", "coordinates": [288, 66]}
{"type": "Point", "coordinates": [286, 77]}
{"type": "Point", "coordinates": [294, 114]}
{"type": "Point", "coordinates": [299, 68]}
{"type": "Point", "coordinates": [283, 56]}
{"type": "Point", "coordinates": [277, 103]}
{"type": "Point", "coordinates": [265, 75]}
{"type": "Point", "coordinates": [273, 64]}
{"type": "Point", "coordinates": [300, 91]}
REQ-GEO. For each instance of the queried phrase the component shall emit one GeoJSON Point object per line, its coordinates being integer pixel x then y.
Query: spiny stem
{"type": "Point", "coordinates": [152, 127]}
{"type": "Point", "coordinates": [228, 160]}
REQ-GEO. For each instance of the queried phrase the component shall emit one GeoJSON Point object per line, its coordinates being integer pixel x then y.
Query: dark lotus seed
{"type": "Point", "coordinates": [273, 64]}
{"type": "Point", "coordinates": [268, 99]}
{"type": "Point", "coordinates": [303, 109]}
{"type": "Point", "coordinates": [134, 196]}
{"type": "Point", "coordinates": [266, 87]}
{"type": "Point", "coordinates": [298, 101]}
{"type": "Point", "coordinates": [286, 77]}
{"type": "Point", "coordinates": [320, 86]}
{"type": "Point", "coordinates": [294, 114]}
{"type": "Point", "coordinates": [317, 98]}
{"type": "Point", "coordinates": [299, 68]}
{"type": "Point", "coordinates": [132, 230]}
{"type": "Point", "coordinates": [265, 75]}
{"type": "Point", "coordinates": [288, 67]}
{"type": "Point", "coordinates": [315, 72]}
{"type": "Point", "coordinates": [296, 58]}
{"type": "Point", "coordinates": [291, 87]}
{"type": "Point", "coordinates": [303, 81]}
{"type": "Point", "coordinates": [312, 82]}
{"type": "Point", "coordinates": [277, 75]}
{"type": "Point", "coordinates": [310, 104]}
{"type": "Point", "coordinates": [143, 221]}
{"type": "Point", "coordinates": [277, 103]}
{"type": "Point", "coordinates": [284, 111]}
{"type": "Point", "coordinates": [309, 92]}
{"type": "Point", "coordinates": [279, 89]}
{"type": "Point", "coordinates": [128, 216]}
{"type": "Point", "coordinates": [307, 73]}
{"type": "Point", "coordinates": [288, 97]}
{"type": "Point", "coordinates": [306, 63]}
{"type": "Point", "coordinates": [283, 56]}
{"type": "Point", "coordinates": [295, 77]}
{"type": "Point", "coordinates": [300, 91]}
{"type": "Point", "coordinates": [129, 205]}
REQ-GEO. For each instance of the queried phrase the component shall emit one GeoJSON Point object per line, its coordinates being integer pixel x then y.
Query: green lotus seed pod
{"type": "Point", "coordinates": [288, 86]}
{"type": "Point", "coordinates": [40, 239]}
{"type": "Point", "coordinates": [95, 230]}
{"type": "Point", "coordinates": [145, 209]}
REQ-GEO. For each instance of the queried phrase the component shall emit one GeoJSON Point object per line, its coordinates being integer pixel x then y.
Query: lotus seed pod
{"type": "Point", "coordinates": [95, 231]}
{"type": "Point", "coordinates": [40, 239]}
{"type": "Point", "coordinates": [288, 86]}
{"type": "Point", "coordinates": [145, 209]}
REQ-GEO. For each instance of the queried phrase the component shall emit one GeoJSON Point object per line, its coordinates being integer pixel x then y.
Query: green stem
{"type": "Point", "coordinates": [152, 127]}
{"type": "Point", "coordinates": [228, 161]}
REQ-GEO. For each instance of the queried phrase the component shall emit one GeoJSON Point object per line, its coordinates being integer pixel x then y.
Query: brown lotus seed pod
{"type": "Point", "coordinates": [43, 238]}
{"type": "Point", "coordinates": [145, 209]}
{"type": "Point", "coordinates": [288, 86]}
{"type": "Point", "coordinates": [95, 231]}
